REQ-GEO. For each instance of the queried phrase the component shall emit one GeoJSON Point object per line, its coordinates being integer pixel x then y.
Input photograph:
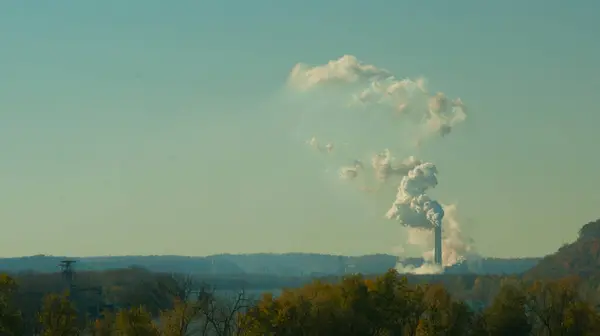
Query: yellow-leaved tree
{"type": "Point", "coordinates": [58, 316]}
{"type": "Point", "coordinates": [136, 321]}
{"type": "Point", "coordinates": [10, 317]}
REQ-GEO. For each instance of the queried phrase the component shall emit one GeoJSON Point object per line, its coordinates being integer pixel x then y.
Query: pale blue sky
{"type": "Point", "coordinates": [123, 123]}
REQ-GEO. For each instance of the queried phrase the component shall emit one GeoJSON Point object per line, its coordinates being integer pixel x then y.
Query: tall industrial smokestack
{"type": "Point", "coordinates": [437, 258]}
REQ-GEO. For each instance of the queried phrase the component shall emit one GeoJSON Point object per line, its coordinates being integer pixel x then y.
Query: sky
{"type": "Point", "coordinates": [148, 127]}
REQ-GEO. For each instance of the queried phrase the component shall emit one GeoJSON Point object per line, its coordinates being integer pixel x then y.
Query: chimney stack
{"type": "Point", "coordinates": [437, 245]}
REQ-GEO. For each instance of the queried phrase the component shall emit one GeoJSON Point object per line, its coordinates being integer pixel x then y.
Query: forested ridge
{"type": "Point", "coordinates": [281, 265]}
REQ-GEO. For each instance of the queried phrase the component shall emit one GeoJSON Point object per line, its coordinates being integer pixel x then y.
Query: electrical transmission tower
{"type": "Point", "coordinates": [68, 273]}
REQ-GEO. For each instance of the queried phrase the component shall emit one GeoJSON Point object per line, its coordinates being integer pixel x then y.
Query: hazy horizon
{"type": "Point", "coordinates": [224, 254]}
{"type": "Point", "coordinates": [154, 128]}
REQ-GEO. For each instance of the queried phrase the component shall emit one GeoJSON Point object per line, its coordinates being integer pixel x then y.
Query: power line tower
{"type": "Point", "coordinates": [68, 273]}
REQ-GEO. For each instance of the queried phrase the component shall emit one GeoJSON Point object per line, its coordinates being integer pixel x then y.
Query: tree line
{"type": "Point", "coordinates": [356, 305]}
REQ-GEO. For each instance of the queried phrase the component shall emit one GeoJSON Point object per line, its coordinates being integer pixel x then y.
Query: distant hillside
{"type": "Point", "coordinates": [309, 263]}
{"type": "Point", "coordinates": [496, 266]}
{"type": "Point", "coordinates": [581, 257]}
{"type": "Point", "coordinates": [171, 264]}
{"type": "Point", "coordinates": [291, 264]}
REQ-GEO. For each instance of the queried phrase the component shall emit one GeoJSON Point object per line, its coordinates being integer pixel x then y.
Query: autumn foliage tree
{"type": "Point", "coordinates": [557, 308]}
{"type": "Point", "coordinates": [508, 314]}
{"type": "Point", "coordinates": [383, 306]}
{"type": "Point", "coordinates": [542, 308]}
{"type": "Point", "coordinates": [104, 325]}
{"type": "Point", "coordinates": [443, 315]}
{"type": "Point", "coordinates": [136, 321]}
{"type": "Point", "coordinates": [10, 316]}
{"type": "Point", "coordinates": [58, 316]}
{"type": "Point", "coordinates": [387, 305]}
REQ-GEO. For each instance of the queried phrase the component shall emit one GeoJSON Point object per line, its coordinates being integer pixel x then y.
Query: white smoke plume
{"type": "Point", "coordinates": [412, 206]}
{"type": "Point", "coordinates": [363, 108]}
{"type": "Point", "coordinates": [370, 86]}
{"type": "Point", "coordinates": [386, 167]}
{"type": "Point", "coordinates": [457, 246]}
{"type": "Point", "coordinates": [313, 142]}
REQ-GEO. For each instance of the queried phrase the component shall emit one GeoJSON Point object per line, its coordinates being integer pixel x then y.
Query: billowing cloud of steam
{"type": "Point", "coordinates": [368, 91]}
{"type": "Point", "coordinates": [412, 206]}
{"type": "Point", "coordinates": [371, 86]}
{"type": "Point", "coordinates": [457, 246]}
